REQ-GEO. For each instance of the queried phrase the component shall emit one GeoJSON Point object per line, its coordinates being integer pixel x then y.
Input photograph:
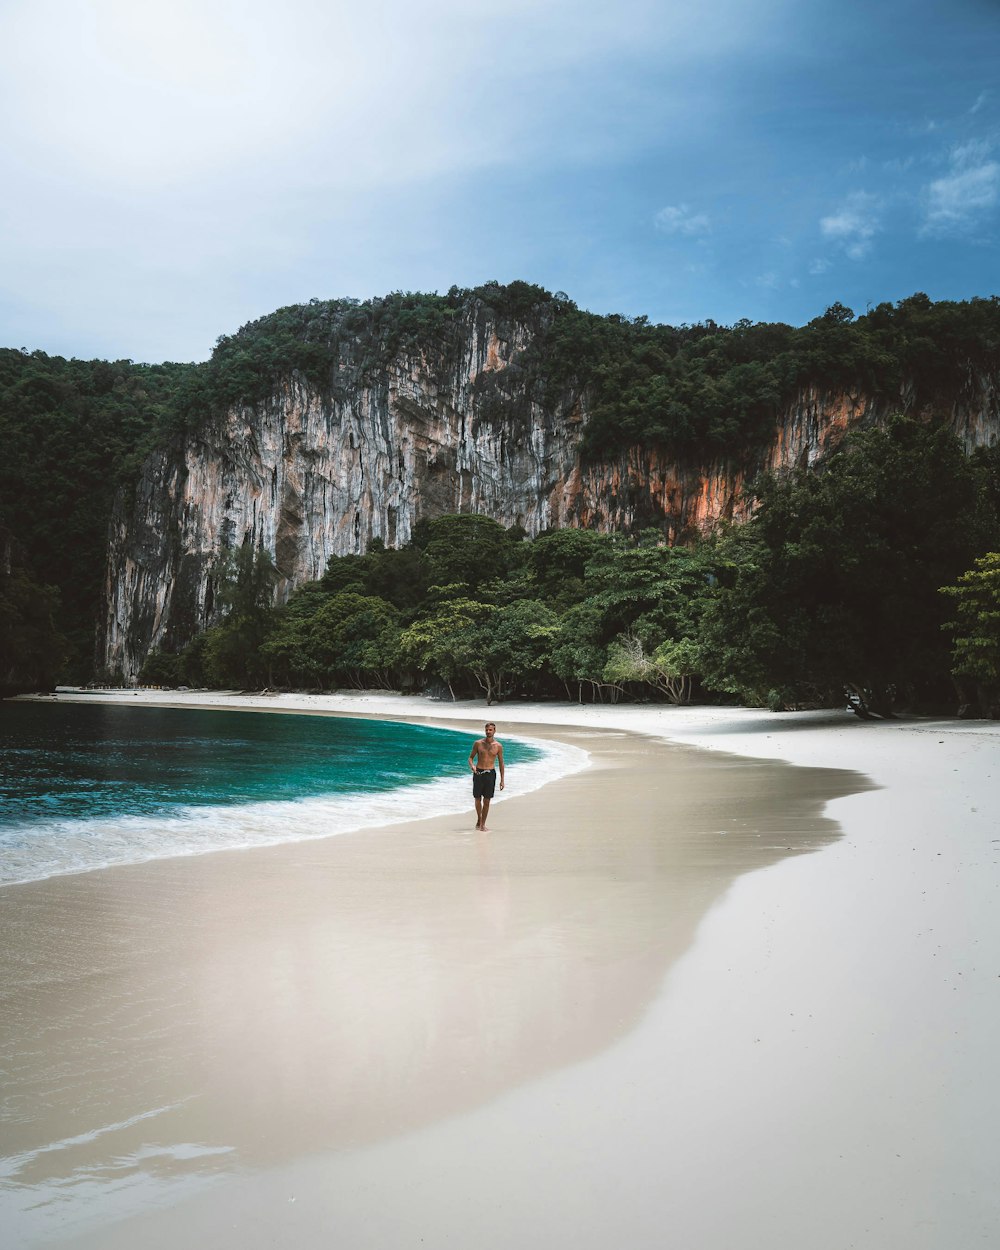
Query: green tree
{"type": "Point", "coordinates": [627, 663]}
{"type": "Point", "coordinates": [579, 656]}
{"type": "Point", "coordinates": [644, 600]}
{"type": "Point", "coordinates": [192, 665]}
{"type": "Point", "coordinates": [678, 665]}
{"type": "Point", "coordinates": [228, 658]}
{"type": "Point", "coordinates": [162, 668]}
{"type": "Point", "coordinates": [467, 550]}
{"type": "Point", "coordinates": [831, 589]}
{"type": "Point", "coordinates": [343, 573]}
{"type": "Point", "coordinates": [975, 629]}
{"type": "Point", "coordinates": [442, 643]}
{"type": "Point", "coordinates": [285, 650]}
{"type": "Point", "coordinates": [510, 646]}
{"type": "Point", "coordinates": [352, 638]}
{"type": "Point", "coordinates": [398, 575]}
{"type": "Point", "coordinates": [557, 562]}
{"type": "Point", "coordinates": [32, 648]}
{"type": "Point", "coordinates": [73, 433]}
{"type": "Point", "coordinates": [244, 581]}
{"type": "Point", "coordinates": [649, 589]}
{"type": "Point", "coordinates": [670, 670]}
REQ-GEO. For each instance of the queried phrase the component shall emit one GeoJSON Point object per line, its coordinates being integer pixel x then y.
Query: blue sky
{"type": "Point", "coordinates": [173, 171]}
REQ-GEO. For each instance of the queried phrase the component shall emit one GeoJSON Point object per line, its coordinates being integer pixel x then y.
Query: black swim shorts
{"type": "Point", "coordinates": [484, 783]}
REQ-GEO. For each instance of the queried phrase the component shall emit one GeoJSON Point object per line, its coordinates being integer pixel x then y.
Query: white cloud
{"type": "Point", "coordinates": [957, 202]}
{"type": "Point", "coordinates": [349, 96]}
{"type": "Point", "coordinates": [855, 225]}
{"type": "Point", "coordinates": [980, 101]}
{"type": "Point", "coordinates": [255, 145]}
{"type": "Point", "coordinates": [680, 219]}
{"type": "Point", "coordinates": [818, 266]}
{"type": "Point", "coordinates": [972, 152]}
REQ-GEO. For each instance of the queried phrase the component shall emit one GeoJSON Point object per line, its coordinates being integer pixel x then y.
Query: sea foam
{"type": "Point", "coordinates": [33, 852]}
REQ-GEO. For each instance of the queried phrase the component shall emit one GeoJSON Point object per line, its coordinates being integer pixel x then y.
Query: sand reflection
{"type": "Point", "coordinates": [241, 1009]}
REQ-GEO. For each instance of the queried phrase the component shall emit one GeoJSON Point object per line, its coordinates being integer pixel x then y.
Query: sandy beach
{"type": "Point", "coordinates": [735, 984]}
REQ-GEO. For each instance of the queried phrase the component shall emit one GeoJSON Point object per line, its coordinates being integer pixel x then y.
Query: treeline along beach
{"type": "Point", "coordinates": [832, 587]}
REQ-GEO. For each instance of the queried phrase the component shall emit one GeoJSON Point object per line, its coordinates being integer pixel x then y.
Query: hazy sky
{"type": "Point", "coordinates": [171, 171]}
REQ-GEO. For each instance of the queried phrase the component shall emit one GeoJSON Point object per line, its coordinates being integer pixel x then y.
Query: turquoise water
{"type": "Point", "coordinates": [84, 786]}
{"type": "Point", "coordinates": [72, 760]}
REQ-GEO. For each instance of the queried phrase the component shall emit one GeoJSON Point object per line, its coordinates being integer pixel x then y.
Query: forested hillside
{"type": "Point", "coordinates": [75, 433]}
{"type": "Point", "coordinates": [692, 390]}
{"type": "Point", "coordinates": [831, 593]}
{"type": "Point", "coordinates": [72, 433]}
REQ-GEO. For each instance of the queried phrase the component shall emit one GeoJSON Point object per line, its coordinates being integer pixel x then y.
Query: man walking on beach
{"type": "Point", "coordinates": [485, 758]}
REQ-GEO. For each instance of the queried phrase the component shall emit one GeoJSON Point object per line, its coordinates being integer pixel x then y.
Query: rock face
{"type": "Point", "coordinates": [307, 476]}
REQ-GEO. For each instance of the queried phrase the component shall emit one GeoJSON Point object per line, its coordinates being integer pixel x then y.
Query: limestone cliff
{"type": "Point", "coordinates": [310, 472]}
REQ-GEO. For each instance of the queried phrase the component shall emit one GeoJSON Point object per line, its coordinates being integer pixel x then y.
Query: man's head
{"type": "Point", "coordinates": [490, 729]}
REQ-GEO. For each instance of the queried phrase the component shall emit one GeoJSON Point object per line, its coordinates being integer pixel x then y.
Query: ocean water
{"type": "Point", "coordinates": [85, 787]}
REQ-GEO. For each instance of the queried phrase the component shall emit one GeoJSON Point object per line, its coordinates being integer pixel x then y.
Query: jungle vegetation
{"type": "Point", "coordinates": [830, 594]}
{"type": "Point", "coordinates": [75, 434]}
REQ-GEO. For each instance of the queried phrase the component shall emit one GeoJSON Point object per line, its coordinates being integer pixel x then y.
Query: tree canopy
{"type": "Point", "coordinates": [975, 630]}
{"type": "Point", "coordinates": [830, 593]}
{"type": "Point", "coordinates": [831, 590]}
{"type": "Point", "coordinates": [75, 433]}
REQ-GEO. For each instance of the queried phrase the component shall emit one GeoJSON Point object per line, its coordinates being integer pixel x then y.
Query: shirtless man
{"type": "Point", "coordinates": [485, 758]}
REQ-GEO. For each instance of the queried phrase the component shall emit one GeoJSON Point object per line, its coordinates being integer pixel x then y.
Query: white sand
{"type": "Point", "coordinates": [817, 1071]}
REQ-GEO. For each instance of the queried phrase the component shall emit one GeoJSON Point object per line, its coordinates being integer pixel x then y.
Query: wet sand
{"type": "Point", "coordinates": [635, 1012]}
{"type": "Point", "coordinates": [188, 1022]}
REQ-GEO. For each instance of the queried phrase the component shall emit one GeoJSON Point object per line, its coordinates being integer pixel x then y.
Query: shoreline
{"type": "Point", "coordinates": [819, 1031]}
{"type": "Point", "coordinates": [251, 822]}
{"type": "Point", "coordinates": [797, 737]}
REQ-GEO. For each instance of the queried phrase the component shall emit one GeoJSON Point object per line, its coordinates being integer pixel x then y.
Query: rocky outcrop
{"type": "Point", "coordinates": [307, 476]}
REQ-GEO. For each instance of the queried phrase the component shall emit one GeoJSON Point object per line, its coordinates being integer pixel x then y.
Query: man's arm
{"type": "Point", "coordinates": [472, 755]}
{"type": "Point", "coordinates": [500, 762]}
